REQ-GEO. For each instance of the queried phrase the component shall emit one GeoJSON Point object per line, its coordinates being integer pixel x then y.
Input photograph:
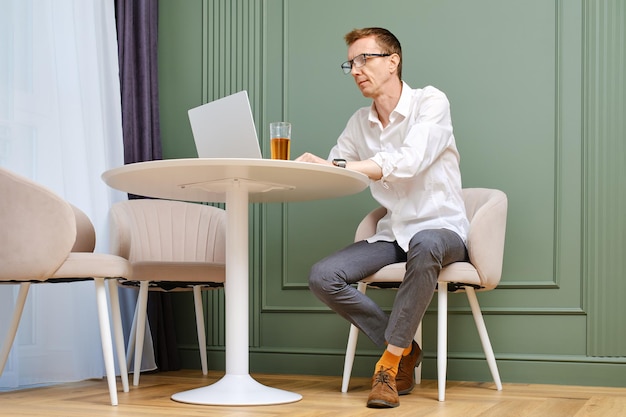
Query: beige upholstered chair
{"type": "Point", "coordinates": [486, 211]}
{"type": "Point", "coordinates": [44, 239]}
{"type": "Point", "coordinates": [172, 246]}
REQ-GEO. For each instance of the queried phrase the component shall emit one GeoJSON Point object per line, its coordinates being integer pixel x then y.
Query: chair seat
{"type": "Point", "coordinates": [461, 272]}
{"type": "Point", "coordinates": [457, 272]}
{"type": "Point", "coordinates": [177, 276]}
{"type": "Point", "coordinates": [179, 271]}
{"type": "Point", "coordinates": [81, 264]}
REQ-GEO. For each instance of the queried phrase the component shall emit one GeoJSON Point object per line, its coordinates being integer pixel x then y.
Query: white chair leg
{"type": "Point", "coordinates": [484, 337]}
{"type": "Point", "coordinates": [197, 300]}
{"type": "Point", "coordinates": [353, 337]}
{"type": "Point", "coordinates": [349, 360]}
{"type": "Point", "coordinates": [418, 369]}
{"type": "Point", "coordinates": [442, 339]}
{"type": "Point", "coordinates": [105, 336]}
{"type": "Point", "coordinates": [13, 325]}
{"type": "Point", "coordinates": [118, 332]}
{"type": "Point", "coordinates": [130, 350]}
{"type": "Point", "coordinates": [142, 307]}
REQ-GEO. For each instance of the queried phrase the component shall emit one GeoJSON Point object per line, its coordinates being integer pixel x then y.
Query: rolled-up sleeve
{"type": "Point", "coordinates": [426, 138]}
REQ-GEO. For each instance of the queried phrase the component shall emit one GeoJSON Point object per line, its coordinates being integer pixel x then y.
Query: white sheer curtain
{"type": "Point", "coordinates": [60, 124]}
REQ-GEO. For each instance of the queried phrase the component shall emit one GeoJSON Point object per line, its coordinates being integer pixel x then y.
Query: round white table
{"type": "Point", "coordinates": [235, 181]}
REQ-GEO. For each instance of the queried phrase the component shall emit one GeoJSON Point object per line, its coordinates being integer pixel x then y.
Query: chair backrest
{"type": "Point", "coordinates": [168, 231]}
{"type": "Point", "coordinates": [37, 229]}
{"type": "Point", "coordinates": [85, 232]}
{"type": "Point", "coordinates": [486, 211]}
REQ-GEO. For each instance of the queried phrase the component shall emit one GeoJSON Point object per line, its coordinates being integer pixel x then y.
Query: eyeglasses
{"type": "Point", "coordinates": [358, 61]}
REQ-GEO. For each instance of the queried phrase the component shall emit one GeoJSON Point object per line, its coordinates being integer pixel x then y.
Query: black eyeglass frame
{"type": "Point", "coordinates": [347, 66]}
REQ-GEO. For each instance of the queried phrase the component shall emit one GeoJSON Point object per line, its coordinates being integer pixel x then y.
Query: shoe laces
{"type": "Point", "coordinates": [383, 377]}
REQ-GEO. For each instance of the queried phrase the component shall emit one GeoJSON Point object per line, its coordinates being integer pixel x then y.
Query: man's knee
{"type": "Point", "coordinates": [322, 279]}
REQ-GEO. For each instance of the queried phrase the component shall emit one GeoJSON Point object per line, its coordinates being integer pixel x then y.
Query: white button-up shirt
{"type": "Point", "coordinates": [421, 179]}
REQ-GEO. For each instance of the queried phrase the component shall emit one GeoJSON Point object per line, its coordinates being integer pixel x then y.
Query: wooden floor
{"type": "Point", "coordinates": [321, 398]}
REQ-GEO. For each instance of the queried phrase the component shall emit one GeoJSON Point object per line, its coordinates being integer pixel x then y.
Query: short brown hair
{"type": "Point", "coordinates": [385, 39]}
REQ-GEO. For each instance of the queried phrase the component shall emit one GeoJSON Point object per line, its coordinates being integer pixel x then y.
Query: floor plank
{"type": "Point", "coordinates": [321, 398]}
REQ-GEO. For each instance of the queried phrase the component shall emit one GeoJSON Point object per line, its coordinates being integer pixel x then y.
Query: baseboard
{"type": "Point", "coordinates": [535, 369]}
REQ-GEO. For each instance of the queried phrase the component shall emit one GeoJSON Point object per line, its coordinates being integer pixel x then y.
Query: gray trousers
{"type": "Point", "coordinates": [429, 250]}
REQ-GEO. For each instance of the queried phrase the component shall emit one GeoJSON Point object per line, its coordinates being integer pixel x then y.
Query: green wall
{"type": "Point", "coordinates": [537, 89]}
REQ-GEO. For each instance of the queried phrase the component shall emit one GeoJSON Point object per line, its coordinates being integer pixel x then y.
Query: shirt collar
{"type": "Point", "coordinates": [404, 104]}
{"type": "Point", "coordinates": [402, 108]}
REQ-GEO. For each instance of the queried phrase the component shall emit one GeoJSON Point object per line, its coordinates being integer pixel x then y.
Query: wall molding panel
{"type": "Point", "coordinates": [605, 159]}
{"type": "Point", "coordinates": [538, 94]}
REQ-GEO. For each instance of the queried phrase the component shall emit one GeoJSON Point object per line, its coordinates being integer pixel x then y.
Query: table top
{"type": "Point", "coordinates": [207, 179]}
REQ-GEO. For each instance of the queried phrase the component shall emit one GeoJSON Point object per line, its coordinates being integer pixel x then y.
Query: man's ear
{"type": "Point", "coordinates": [394, 61]}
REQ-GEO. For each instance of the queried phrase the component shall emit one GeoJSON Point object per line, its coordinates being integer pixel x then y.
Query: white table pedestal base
{"type": "Point", "coordinates": [236, 390]}
{"type": "Point", "coordinates": [237, 387]}
{"type": "Point", "coordinates": [235, 181]}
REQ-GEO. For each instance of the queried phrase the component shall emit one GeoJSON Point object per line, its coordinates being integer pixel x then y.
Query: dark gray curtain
{"type": "Point", "coordinates": [136, 22]}
{"type": "Point", "coordinates": [137, 47]}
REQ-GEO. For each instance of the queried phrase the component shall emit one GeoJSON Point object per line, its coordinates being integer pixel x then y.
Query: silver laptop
{"type": "Point", "coordinates": [225, 128]}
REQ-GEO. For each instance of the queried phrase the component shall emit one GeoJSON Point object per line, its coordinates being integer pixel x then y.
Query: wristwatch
{"type": "Point", "coordinates": [341, 163]}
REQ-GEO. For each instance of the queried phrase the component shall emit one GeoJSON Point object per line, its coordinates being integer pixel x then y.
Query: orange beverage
{"type": "Point", "coordinates": [279, 148]}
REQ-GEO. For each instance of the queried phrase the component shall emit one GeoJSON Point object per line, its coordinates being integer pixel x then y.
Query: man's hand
{"type": "Point", "coordinates": [367, 167]}
{"type": "Point", "coordinates": [309, 157]}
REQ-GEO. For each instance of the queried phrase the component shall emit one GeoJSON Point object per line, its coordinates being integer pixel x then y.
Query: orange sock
{"type": "Point", "coordinates": [408, 350]}
{"type": "Point", "coordinates": [389, 362]}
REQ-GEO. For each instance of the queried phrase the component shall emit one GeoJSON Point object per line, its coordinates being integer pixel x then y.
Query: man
{"type": "Point", "coordinates": [404, 143]}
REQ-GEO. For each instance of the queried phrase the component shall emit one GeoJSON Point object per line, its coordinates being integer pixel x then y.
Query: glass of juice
{"type": "Point", "coordinates": [280, 140]}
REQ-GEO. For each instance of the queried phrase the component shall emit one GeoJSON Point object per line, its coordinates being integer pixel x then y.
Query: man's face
{"type": "Point", "coordinates": [374, 76]}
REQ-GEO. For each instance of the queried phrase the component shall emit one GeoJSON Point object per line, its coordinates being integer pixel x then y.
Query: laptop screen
{"type": "Point", "coordinates": [225, 128]}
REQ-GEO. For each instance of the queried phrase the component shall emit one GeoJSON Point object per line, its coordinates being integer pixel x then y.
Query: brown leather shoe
{"type": "Point", "coordinates": [405, 380]}
{"type": "Point", "coordinates": [384, 393]}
